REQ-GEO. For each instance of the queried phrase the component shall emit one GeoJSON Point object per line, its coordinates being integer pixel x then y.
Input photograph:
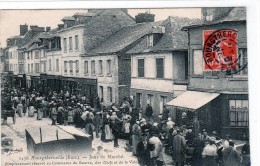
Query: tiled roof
{"type": "Point", "coordinates": [103, 25]}
{"type": "Point", "coordinates": [125, 37]}
{"type": "Point", "coordinates": [36, 39]}
{"type": "Point", "coordinates": [236, 14]}
{"type": "Point", "coordinates": [68, 18]}
{"type": "Point", "coordinates": [174, 38]}
{"type": "Point", "coordinates": [84, 14]}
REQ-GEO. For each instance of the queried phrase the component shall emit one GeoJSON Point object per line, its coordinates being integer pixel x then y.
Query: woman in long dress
{"type": "Point", "coordinates": [20, 109]}
{"type": "Point", "coordinates": [70, 115]}
{"type": "Point", "coordinates": [54, 113]}
{"type": "Point", "coordinates": [136, 137]}
{"type": "Point", "coordinates": [39, 110]}
{"type": "Point", "coordinates": [31, 107]}
{"type": "Point", "coordinates": [108, 136]}
{"type": "Point", "coordinates": [89, 126]}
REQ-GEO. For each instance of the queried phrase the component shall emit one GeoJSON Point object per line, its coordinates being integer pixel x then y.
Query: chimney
{"type": "Point", "coordinates": [144, 17]}
{"type": "Point", "coordinates": [32, 27]}
{"type": "Point", "coordinates": [48, 29]}
{"type": "Point", "coordinates": [23, 29]}
{"type": "Point", "coordinates": [60, 26]}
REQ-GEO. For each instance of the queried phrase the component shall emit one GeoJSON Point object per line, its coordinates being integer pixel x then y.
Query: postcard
{"type": "Point", "coordinates": [125, 86]}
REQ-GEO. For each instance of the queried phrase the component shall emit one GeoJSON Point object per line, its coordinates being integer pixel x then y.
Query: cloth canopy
{"type": "Point", "coordinates": [192, 99]}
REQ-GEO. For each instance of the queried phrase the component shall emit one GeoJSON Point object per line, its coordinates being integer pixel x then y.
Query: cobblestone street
{"type": "Point", "coordinates": [17, 133]}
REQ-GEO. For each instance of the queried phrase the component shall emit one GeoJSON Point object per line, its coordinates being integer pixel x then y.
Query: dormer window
{"type": "Point", "coordinates": [209, 17]}
{"type": "Point", "coordinates": [150, 40]}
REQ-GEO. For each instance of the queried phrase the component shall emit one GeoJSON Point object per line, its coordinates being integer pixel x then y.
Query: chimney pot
{"type": "Point", "coordinates": [23, 29]}
{"type": "Point", "coordinates": [48, 29]}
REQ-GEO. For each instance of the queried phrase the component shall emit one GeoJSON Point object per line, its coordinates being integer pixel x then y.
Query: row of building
{"type": "Point", "coordinates": [113, 55]}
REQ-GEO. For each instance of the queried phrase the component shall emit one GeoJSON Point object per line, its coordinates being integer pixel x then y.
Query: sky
{"type": "Point", "coordinates": [10, 20]}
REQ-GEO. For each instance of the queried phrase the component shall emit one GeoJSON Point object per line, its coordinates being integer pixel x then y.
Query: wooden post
{"type": "Point", "coordinates": [57, 135]}
{"type": "Point", "coordinates": [41, 135]}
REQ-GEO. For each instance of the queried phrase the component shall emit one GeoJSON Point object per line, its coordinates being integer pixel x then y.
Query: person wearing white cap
{"type": "Point", "coordinates": [209, 153]}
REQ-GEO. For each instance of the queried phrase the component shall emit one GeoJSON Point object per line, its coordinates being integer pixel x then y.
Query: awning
{"type": "Point", "coordinates": [192, 99]}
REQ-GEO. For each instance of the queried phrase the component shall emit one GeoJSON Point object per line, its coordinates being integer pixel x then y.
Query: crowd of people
{"type": "Point", "coordinates": [147, 137]}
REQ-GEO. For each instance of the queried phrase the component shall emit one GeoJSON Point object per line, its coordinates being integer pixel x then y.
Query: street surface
{"type": "Point", "coordinates": [17, 133]}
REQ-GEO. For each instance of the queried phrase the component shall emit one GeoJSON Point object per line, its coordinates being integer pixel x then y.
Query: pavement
{"type": "Point", "coordinates": [19, 151]}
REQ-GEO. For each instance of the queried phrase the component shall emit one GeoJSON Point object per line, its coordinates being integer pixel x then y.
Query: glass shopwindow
{"type": "Point", "coordinates": [238, 112]}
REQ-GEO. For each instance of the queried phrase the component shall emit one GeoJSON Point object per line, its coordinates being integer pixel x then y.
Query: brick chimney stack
{"type": "Point", "coordinates": [23, 29]}
{"type": "Point", "coordinates": [144, 17]}
{"type": "Point", "coordinates": [48, 29]}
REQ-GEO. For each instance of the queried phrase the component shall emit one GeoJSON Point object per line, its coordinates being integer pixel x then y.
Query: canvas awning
{"type": "Point", "coordinates": [72, 130]}
{"type": "Point", "coordinates": [192, 99]}
{"type": "Point", "coordinates": [48, 134]}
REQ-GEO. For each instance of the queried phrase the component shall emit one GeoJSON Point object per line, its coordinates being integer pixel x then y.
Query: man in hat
{"type": "Point", "coordinates": [231, 156]}
{"type": "Point", "coordinates": [97, 122]}
{"type": "Point", "coordinates": [205, 137]}
{"type": "Point", "coordinates": [116, 127]}
{"type": "Point", "coordinates": [179, 145]}
{"type": "Point", "coordinates": [149, 113]}
{"type": "Point", "coordinates": [196, 125]}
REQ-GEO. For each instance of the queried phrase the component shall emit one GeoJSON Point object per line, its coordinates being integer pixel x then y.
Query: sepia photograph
{"type": "Point", "coordinates": [125, 86]}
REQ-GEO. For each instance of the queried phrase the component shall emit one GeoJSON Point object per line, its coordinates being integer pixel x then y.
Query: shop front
{"type": "Point", "coordinates": [191, 104]}
{"type": "Point", "coordinates": [83, 86]}
{"type": "Point", "coordinates": [21, 79]}
{"type": "Point", "coordinates": [54, 82]}
{"type": "Point", "coordinates": [225, 112]}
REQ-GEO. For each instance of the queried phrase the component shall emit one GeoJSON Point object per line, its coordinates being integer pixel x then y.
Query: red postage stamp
{"type": "Point", "coordinates": [220, 50]}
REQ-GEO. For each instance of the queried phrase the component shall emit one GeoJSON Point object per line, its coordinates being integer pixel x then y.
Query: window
{"type": "Point", "coordinates": [32, 68]}
{"type": "Point", "coordinates": [93, 71]}
{"type": "Point", "coordinates": [53, 44]}
{"type": "Point", "coordinates": [86, 67]}
{"type": "Point", "coordinates": [57, 65]}
{"type": "Point", "coordinates": [71, 67]}
{"type": "Point", "coordinates": [65, 44]}
{"type": "Point", "coordinates": [44, 67]}
{"type": "Point", "coordinates": [140, 67]}
{"type": "Point", "coordinates": [100, 67]}
{"type": "Point", "coordinates": [150, 99]}
{"type": "Point", "coordinates": [108, 67]}
{"type": "Point", "coordinates": [37, 54]}
{"type": "Point", "coordinates": [70, 43]}
{"type": "Point", "coordinates": [150, 40]}
{"type": "Point", "coordinates": [65, 67]}
{"type": "Point", "coordinates": [110, 94]}
{"type": "Point", "coordinates": [159, 68]}
{"type": "Point", "coordinates": [77, 66]}
{"type": "Point", "coordinates": [76, 42]}
{"type": "Point", "coordinates": [163, 100]}
{"type": "Point", "coordinates": [101, 92]}
{"type": "Point", "coordinates": [197, 62]}
{"type": "Point", "coordinates": [242, 61]}
{"type": "Point", "coordinates": [37, 67]}
{"type": "Point", "coordinates": [49, 65]}
{"type": "Point", "coordinates": [139, 100]}
{"type": "Point", "coordinates": [238, 112]}
{"type": "Point", "coordinates": [28, 70]}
